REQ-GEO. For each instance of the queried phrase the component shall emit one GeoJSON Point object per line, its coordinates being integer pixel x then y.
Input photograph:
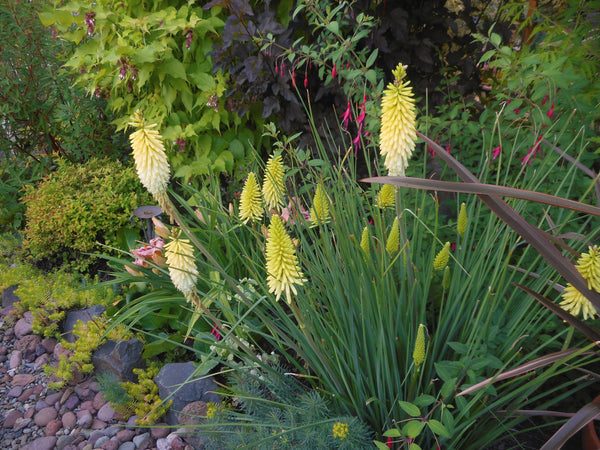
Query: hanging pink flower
{"type": "Point", "coordinates": [346, 116]}
{"type": "Point", "coordinates": [550, 111]}
{"type": "Point", "coordinates": [532, 152]}
{"type": "Point", "coordinates": [545, 99]}
{"type": "Point", "coordinates": [496, 152]}
{"type": "Point", "coordinates": [334, 71]}
{"type": "Point", "coordinates": [215, 333]}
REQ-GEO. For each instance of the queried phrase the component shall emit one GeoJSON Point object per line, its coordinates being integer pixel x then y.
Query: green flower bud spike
{"type": "Point", "coordinates": [442, 258]}
{"type": "Point", "coordinates": [446, 278]}
{"type": "Point", "coordinates": [419, 352]}
{"type": "Point", "coordinates": [365, 241]}
{"type": "Point", "coordinates": [386, 197]}
{"type": "Point", "coordinates": [461, 226]}
{"type": "Point", "coordinates": [319, 213]}
{"type": "Point", "coordinates": [393, 240]}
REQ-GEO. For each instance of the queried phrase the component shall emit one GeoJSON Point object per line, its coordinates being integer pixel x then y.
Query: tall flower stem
{"type": "Point", "coordinates": [404, 239]}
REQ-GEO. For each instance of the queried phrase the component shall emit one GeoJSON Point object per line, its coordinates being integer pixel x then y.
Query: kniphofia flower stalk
{"type": "Point", "coordinates": [179, 254]}
{"type": "Point", "coordinates": [442, 258]}
{"type": "Point", "coordinates": [150, 159]}
{"type": "Point", "coordinates": [273, 187]}
{"type": "Point", "coordinates": [574, 301]}
{"type": "Point", "coordinates": [283, 271]}
{"type": "Point", "coordinates": [398, 132]}
{"type": "Point", "coordinates": [386, 196]}
{"type": "Point", "coordinates": [393, 240]}
{"type": "Point", "coordinates": [251, 200]}
{"type": "Point", "coordinates": [319, 213]}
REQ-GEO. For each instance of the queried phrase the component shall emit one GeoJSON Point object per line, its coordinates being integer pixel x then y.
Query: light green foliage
{"type": "Point", "coordinates": [154, 58]}
{"type": "Point", "coordinates": [278, 412]}
{"type": "Point", "coordinates": [79, 206]}
{"type": "Point", "coordinates": [89, 336]}
{"type": "Point", "coordinates": [145, 400]}
{"type": "Point", "coordinates": [50, 296]}
{"type": "Point", "coordinates": [139, 398]}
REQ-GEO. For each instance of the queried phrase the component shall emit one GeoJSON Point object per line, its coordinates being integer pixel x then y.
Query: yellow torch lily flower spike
{"type": "Point", "coordinates": [589, 267]}
{"type": "Point", "coordinates": [441, 259]}
{"type": "Point", "coordinates": [250, 200]}
{"type": "Point", "coordinates": [179, 254]}
{"type": "Point", "coordinates": [419, 352]}
{"type": "Point", "coordinates": [393, 240]}
{"type": "Point", "coordinates": [574, 301]}
{"type": "Point", "coordinates": [150, 159]}
{"type": "Point", "coordinates": [273, 187]}
{"type": "Point", "coordinates": [319, 213]}
{"type": "Point", "coordinates": [398, 133]}
{"type": "Point", "coordinates": [386, 196]}
{"type": "Point", "coordinates": [283, 271]}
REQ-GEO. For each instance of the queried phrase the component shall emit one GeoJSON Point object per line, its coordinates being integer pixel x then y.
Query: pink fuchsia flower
{"type": "Point", "coordinates": [333, 71]}
{"type": "Point", "coordinates": [531, 153]}
{"type": "Point", "coordinates": [390, 442]}
{"type": "Point", "coordinates": [496, 152]}
{"type": "Point", "coordinates": [545, 99]}
{"type": "Point", "coordinates": [215, 333]}
{"type": "Point", "coordinates": [550, 111]}
{"type": "Point", "coordinates": [305, 80]}
{"type": "Point", "coordinates": [347, 116]}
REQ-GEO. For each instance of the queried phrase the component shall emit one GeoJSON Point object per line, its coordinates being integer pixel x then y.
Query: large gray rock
{"type": "Point", "coordinates": [119, 358]}
{"type": "Point", "coordinates": [9, 297]}
{"type": "Point", "coordinates": [85, 315]}
{"type": "Point", "coordinates": [176, 381]}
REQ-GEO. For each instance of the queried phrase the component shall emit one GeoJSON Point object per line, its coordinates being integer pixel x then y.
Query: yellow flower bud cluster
{"type": "Point", "coordinates": [283, 271]}
{"type": "Point", "coordinates": [574, 301]}
{"type": "Point", "coordinates": [419, 352]}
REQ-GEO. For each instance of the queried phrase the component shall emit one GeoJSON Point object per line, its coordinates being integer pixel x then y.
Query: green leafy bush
{"type": "Point", "coordinates": [154, 58]}
{"type": "Point", "coordinates": [41, 115]}
{"type": "Point", "coordinates": [79, 207]}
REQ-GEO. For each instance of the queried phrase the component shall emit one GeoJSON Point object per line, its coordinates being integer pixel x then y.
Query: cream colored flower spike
{"type": "Point", "coordinates": [398, 132]}
{"type": "Point", "coordinates": [150, 159]}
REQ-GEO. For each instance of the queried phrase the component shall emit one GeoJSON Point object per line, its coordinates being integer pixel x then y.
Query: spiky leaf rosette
{"type": "Point", "coordinates": [150, 159]}
{"type": "Point", "coordinates": [398, 133]}
{"type": "Point", "coordinates": [179, 254]}
{"type": "Point", "coordinates": [283, 271]}
{"type": "Point", "coordinates": [251, 200]}
{"type": "Point", "coordinates": [273, 188]}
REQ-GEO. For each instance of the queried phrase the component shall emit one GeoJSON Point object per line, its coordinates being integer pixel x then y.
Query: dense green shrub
{"type": "Point", "coordinates": [79, 207]}
{"type": "Point", "coordinates": [41, 115]}
{"type": "Point", "coordinates": [153, 57]}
